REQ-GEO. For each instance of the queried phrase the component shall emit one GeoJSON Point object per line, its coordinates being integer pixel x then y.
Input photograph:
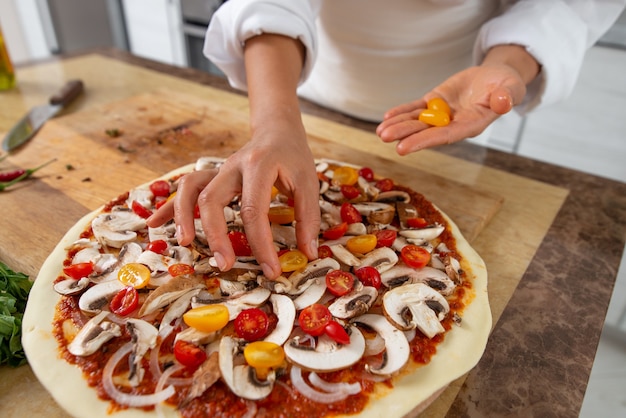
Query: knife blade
{"type": "Point", "coordinates": [28, 126]}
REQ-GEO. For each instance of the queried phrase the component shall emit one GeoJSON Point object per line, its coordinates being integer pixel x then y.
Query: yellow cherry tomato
{"type": "Point", "coordinates": [281, 214]}
{"type": "Point", "coordinates": [274, 192]}
{"type": "Point", "coordinates": [362, 244]}
{"type": "Point", "coordinates": [438, 103]}
{"type": "Point", "coordinates": [171, 196]}
{"type": "Point", "coordinates": [263, 355]}
{"type": "Point", "coordinates": [207, 318]}
{"type": "Point", "coordinates": [345, 175]}
{"type": "Point", "coordinates": [292, 260]}
{"type": "Point", "coordinates": [134, 274]}
{"type": "Point", "coordinates": [434, 117]}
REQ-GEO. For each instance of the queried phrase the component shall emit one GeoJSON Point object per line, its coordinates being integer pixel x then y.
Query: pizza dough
{"type": "Point", "coordinates": [461, 349]}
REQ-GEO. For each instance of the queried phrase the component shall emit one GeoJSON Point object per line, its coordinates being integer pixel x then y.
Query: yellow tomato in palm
{"type": "Point", "coordinates": [134, 274]}
{"type": "Point", "coordinates": [434, 117]}
{"type": "Point", "coordinates": [362, 244]}
{"type": "Point", "coordinates": [437, 103]}
{"type": "Point", "coordinates": [207, 318]}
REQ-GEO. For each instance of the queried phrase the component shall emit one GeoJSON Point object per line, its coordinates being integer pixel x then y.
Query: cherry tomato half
{"type": "Point", "coordinates": [437, 103]}
{"type": "Point", "coordinates": [79, 270]}
{"type": "Point", "coordinates": [251, 324]}
{"type": "Point", "coordinates": [349, 213]}
{"type": "Point", "coordinates": [136, 275]}
{"type": "Point", "coordinates": [140, 210]}
{"type": "Point", "coordinates": [158, 246]}
{"type": "Point", "coordinates": [160, 188]}
{"type": "Point", "coordinates": [281, 214]}
{"type": "Point", "coordinates": [292, 260]}
{"type": "Point", "coordinates": [324, 251]}
{"type": "Point", "coordinates": [434, 117]}
{"type": "Point", "coordinates": [416, 223]}
{"type": "Point", "coordinates": [367, 173]}
{"type": "Point", "coordinates": [337, 332]}
{"type": "Point", "coordinates": [345, 175]}
{"type": "Point", "coordinates": [336, 231]}
{"type": "Point", "coordinates": [240, 244]}
{"type": "Point", "coordinates": [125, 301]}
{"type": "Point", "coordinates": [350, 192]}
{"type": "Point", "coordinates": [339, 282]}
{"type": "Point", "coordinates": [263, 355]}
{"type": "Point", "coordinates": [369, 276]}
{"type": "Point", "coordinates": [188, 354]}
{"type": "Point", "coordinates": [180, 269]}
{"type": "Point", "coordinates": [208, 318]}
{"type": "Point", "coordinates": [361, 244]}
{"type": "Point", "coordinates": [385, 185]}
{"type": "Point", "coordinates": [385, 237]}
{"type": "Point", "coordinates": [313, 319]}
{"type": "Point", "coordinates": [414, 256]}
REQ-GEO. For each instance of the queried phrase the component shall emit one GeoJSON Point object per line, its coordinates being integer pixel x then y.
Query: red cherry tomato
{"type": "Point", "coordinates": [324, 251]}
{"type": "Point", "coordinates": [125, 301]}
{"type": "Point", "coordinates": [79, 270]}
{"type": "Point", "coordinates": [385, 185]}
{"type": "Point", "coordinates": [180, 269]}
{"type": "Point", "coordinates": [416, 223]}
{"type": "Point", "coordinates": [335, 232]}
{"type": "Point", "coordinates": [160, 188]}
{"type": "Point", "coordinates": [252, 324]}
{"type": "Point", "coordinates": [158, 246]}
{"type": "Point", "coordinates": [339, 282]}
{"type": "Point", "coordinates": [160, 201]}
{"type": "Point", "coordinates": [367, 173]}
{"type": "Point", "coordinates": [349, 213]}
{"type": "Point", "coordinates": [414, 256]}
{"type": "Point", "coordinates": [188, 354]}
{"type": "Point", "coordinates": [350, 192]}
{"type": "Point", "coordinates": [240, 244]}
{"type": "Point", "coordinates": [140, 210]}
{"type": "Point", "coordinates": [338, 333]}
{"type": "Point", "coordinates": [369, 276]}
{"type": "Point", "coordinates": [385, 237]}
{"type": "Point", "coordinates": [314, 318]}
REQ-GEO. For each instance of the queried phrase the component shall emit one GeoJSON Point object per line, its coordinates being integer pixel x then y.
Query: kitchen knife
{"type": "Point", "coordinates": [28, 126]}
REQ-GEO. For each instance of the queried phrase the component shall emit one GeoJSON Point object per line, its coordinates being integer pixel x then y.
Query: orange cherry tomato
{"type": "Point", "coordinates": [336, 231]}
{"type": "Point", "coordinates": [274, 192]}
{"type": "Point", "coordinates": [292, 260]}
{"type": "Point", "coordinates": [437, 103]}
{"type": "Point", "coordinates": [180, 269]}
{"type": "Point", "coordinates": [207, 318]}
{"type": "Point", "coordinates": [281, 214]}
{"type": "Point", "coordinates": [361, 244]}
{"type": "Point", "coordinates": [79, 270]}
{"type": "Point", "coordinates": [414, 256]}
{"type": "Point", "coordinates": [313, 319]}
{"type": "Point", "coordinates": [339, 282]}
{"type": "Point", "coordinates": [134, 274]}
{"type": "Point", "coordinates": [345, 175]}
{"type": "Point", "coordinates": [434, 117]}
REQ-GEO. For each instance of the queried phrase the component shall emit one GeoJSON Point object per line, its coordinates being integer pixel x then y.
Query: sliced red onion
{"type": "Point", "coordinates": [349, 388]}
{"type": "Point", "coordinates": [128, 399]}
{"type": "Point", "coordinates": [322, 397]}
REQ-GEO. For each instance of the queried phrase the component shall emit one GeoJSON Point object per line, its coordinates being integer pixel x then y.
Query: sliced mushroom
{"type": "Point", "coordinates": [327, 355]}
{"type": "Point", "coordinates": [164, 232]}
{"type": "Point", "coordinates": [418, 236]}
{"type": "Point", "coordinates": [382, 259]}
{"type": "Point", "coordinates": [397, 348]}
{"type": "Point", "coordinates": [346, 257]}
{"type": "Point", "coordinates": [98, 296]}
{"type": "Point", "coordinates": [143, 335]}
{"type": "Point", "coordinates": [141, 196]}
{"type": "Point", "coordinates": [430, 276]}
{"type": "Point", "coordinates": [406, 211]}
{"type": "Point", "coordinates": [71, 286]}
{"type": "Point", "coordinates": [355, 303]}
{"type": "Point", "coordinates": [176, 311]}
{"type": "Point", "coordinates": [300, 280]}
{"type": "Point", "coordinates": [284, 235]}
{"type": "Point", "coordinates": [416, 305]}
{"type": "Point", "coordinates": [93, 335]}
{"type": "Point", "coordinates": [169, 292]}
{"type": "Point", "coordinates": [393, 196]}
{"type": "Point", "coordinates": [312, 294]}
{"type": "Point", "coordinates": [197, 337]}
{"type": "Point", "coordinates": [129, 253]}
{"type": "Point", "coordinates": [204, 377]}
{"type": "Point", "coordinates": [250, 299]}
{"type": "Point", "coordinates": [116, 228]}
{"type": "Point", "coordinates": [241, 379]}
{"type": "Point", "coordinates": [452, 268]}
{"type": "Point", "coordinates": [283, 307]}
{"type": "Point", "coordinates": [86, 255]}
{"type": "Point", "coordinates": [356, 228]}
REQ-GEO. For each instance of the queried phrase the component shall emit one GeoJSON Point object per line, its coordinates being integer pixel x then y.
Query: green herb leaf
{"type": "Point", "coordinates": [14, 289]}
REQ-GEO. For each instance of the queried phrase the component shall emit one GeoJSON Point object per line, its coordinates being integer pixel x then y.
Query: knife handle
{"type": "Point", "coordinates": [69, 92]}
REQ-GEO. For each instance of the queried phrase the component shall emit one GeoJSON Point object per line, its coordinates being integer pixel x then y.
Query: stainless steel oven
{"type": "Point", "coordinates": [196, 17]}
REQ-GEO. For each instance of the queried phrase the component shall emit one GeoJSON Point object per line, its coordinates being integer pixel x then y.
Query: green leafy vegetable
{"type": "Point", "coordinates": [14, 289]}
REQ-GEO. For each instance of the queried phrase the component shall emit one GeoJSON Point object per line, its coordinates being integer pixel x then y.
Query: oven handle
{"type": "Point", "coordinates": [194, 30]}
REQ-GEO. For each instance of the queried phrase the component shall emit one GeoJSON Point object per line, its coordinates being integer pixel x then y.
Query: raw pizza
{"type": "Point", "coordinates": [122, 321]}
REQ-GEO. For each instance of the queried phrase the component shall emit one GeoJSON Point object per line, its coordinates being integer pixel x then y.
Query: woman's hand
{"type": "Point", "coordinates": [477, 96]}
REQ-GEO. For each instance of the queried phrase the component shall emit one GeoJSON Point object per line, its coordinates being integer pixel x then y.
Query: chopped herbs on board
{"type": "Point", "coordinates": [14, 289]}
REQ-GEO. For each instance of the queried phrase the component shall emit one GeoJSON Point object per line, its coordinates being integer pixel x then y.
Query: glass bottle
{"type": "Point", "coordinates": [7, 75]}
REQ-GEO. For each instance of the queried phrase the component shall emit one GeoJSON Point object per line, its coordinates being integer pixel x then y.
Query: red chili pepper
{"type": "Point", "coordinates": [9, 178]}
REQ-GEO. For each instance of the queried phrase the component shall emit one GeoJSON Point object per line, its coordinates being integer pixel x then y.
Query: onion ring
{"type": "Point", "coordinates": [322, 397]}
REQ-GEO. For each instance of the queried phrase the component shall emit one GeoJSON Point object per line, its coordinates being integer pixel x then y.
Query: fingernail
{"type": "Point", "coordinates": [220, 261]}
{"type": "Point", "coordinates": [313, 248]}
{"type": "Point", "coordinates": [179, 233]}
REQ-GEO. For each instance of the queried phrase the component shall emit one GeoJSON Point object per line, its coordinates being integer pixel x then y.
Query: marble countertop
{"type": "Point", "coordinates": [540, 353]}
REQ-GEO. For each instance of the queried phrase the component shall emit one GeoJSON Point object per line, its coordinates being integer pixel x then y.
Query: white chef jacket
{"type": "Point", "coordinates": [366, 56]}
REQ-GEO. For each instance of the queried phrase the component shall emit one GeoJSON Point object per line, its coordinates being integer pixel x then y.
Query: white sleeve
{"type": "Point", "coordinates": [238, 20]}
{"type": "Point", "coordinates": [557, 33]}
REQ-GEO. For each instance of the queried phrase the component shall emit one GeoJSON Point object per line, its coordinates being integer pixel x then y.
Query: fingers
{"type": "Point", "coordinates": [400, 126]}
{"type": "Point", "coordinates": [307, 215]}
{"type": "Point", "coordinates": [501, 101]}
